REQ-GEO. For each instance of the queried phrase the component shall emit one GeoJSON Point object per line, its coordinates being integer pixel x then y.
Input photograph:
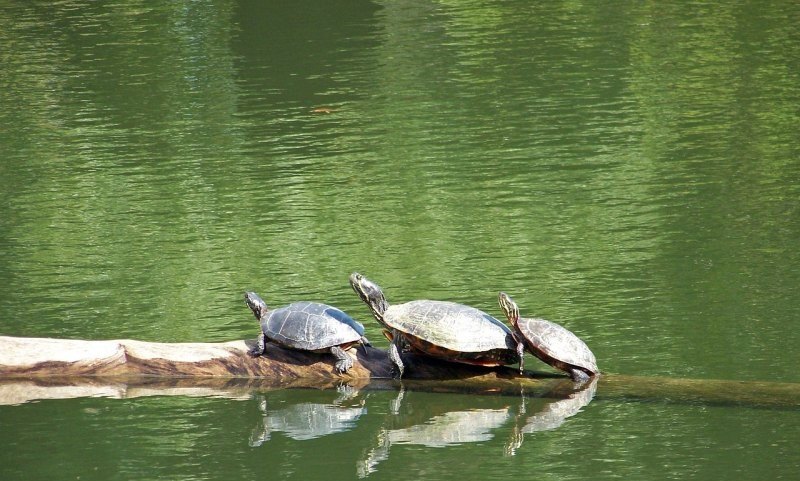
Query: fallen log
{"type": "Point", "coordinates": [63, 367]}
{"type": "Point", "coordinates": [41, 357]}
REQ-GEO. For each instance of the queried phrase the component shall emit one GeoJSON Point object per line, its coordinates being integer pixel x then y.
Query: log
{"type": "Point", "coordinates": [43, 368]}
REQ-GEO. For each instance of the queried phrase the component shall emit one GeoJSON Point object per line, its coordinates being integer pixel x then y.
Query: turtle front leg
{"type": "Point", "coordinates": [343, 361]}
{"type": "Point", "coordinates": [394, 356]}
{"type": "Point", "coordinates": [521, 354]}
{"type": "Point", "coordinates": [261, 346]}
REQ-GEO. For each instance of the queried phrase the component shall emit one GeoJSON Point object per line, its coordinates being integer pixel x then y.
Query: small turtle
{"type": "Point", "coordinates": [440, 329]}
{"type": "Point", "coordinates": [307, 326]}
{"type": "Point", "coordinates": [550, 342]}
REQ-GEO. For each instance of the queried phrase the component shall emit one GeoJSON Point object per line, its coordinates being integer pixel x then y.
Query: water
{"type": "Point", "coordinates": [628, 170]}
{"type": "Point", "coordinates": [380, 434]}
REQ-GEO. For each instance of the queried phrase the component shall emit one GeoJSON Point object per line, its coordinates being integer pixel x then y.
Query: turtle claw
{"type": "Point", "coordinates": [343, 366]}
{"type": "Point", "coordinates": [260, 347]}
{"type": "Point", "coordinates": [343, 361]}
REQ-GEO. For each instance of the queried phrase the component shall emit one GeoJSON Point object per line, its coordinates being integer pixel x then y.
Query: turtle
{"type": "Point", "coordinates": [550, 342]}
{"type": "Point", "coordinates": [440, 329]}
{"type": "Point", "coordinates": [307, 326]}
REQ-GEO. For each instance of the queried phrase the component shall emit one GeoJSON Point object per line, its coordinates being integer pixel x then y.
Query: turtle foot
{"type": "Point", "coordinates": [343, 361]}
{"type": "Point", "coordinates": [342, 366]}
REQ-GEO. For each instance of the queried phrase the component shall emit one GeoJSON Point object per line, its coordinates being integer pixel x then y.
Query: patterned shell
{"type": "Point", "coordinates": [557, 342]}
{"type": "Point", "coordinates": [311, 326]}
{"type": "Point", "coordinates": [453, 326]}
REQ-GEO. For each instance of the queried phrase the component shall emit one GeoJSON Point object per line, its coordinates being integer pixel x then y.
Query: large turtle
{"type": "Point", "coordinates": [550, 342]}
{"type": "Point", "coordinates": [307, 326]}
{"type": "Point", "coordinates": [440, 329]}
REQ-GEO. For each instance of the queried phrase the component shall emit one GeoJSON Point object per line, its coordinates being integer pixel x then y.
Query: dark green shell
{"type": "Point", "coordinates": [311, 326]}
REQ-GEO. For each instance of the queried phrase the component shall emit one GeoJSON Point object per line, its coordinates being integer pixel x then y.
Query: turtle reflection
{"type": "Point", "coordinates": [309, 420]}
{"type": "Point", "coordinates": [552, 414]}
{"type": "Point", "coordinates": [440, 430]}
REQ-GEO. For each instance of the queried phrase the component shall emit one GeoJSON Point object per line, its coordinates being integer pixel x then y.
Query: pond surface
{"type": "Point", "coordinates": [629, 170]}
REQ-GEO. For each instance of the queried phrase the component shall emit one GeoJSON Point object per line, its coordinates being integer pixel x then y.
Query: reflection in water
{"type": "Point", "coordinates": [450, 428]}
{"type": "Point", "coordinates": [552, 414]}
{"type": "Point", "coordinates": [473, 424]}
{"type": "Point", "coordinates": [309, 420]}
{"type": "Point", "coordinates": [453, 420]}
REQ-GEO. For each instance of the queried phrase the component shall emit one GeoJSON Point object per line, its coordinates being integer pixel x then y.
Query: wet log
{"type": "Point", "coordinates": [42, 368]}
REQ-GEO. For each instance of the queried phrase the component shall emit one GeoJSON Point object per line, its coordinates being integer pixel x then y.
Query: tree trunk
{"type": "Point", "coordinates": [41, 368]}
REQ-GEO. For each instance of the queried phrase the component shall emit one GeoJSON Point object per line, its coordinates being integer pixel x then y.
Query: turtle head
{"type": "Point", "coordinates": [509, 307]}
{"type": "Point", "coordinates": [256, 304]}
{"type": "Point", "coordinates": [370, 293]}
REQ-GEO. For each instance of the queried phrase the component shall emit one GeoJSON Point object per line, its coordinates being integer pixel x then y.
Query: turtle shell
{"type": "Point", "coordinates": [311, 326]}
{"type": "Point", "coordinates": [556, 345]}
{"type": "Point", "coordinates": [453, 331]}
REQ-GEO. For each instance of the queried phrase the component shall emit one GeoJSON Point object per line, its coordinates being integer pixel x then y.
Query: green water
{"type": "Point", "coordinates": [628, 169]}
